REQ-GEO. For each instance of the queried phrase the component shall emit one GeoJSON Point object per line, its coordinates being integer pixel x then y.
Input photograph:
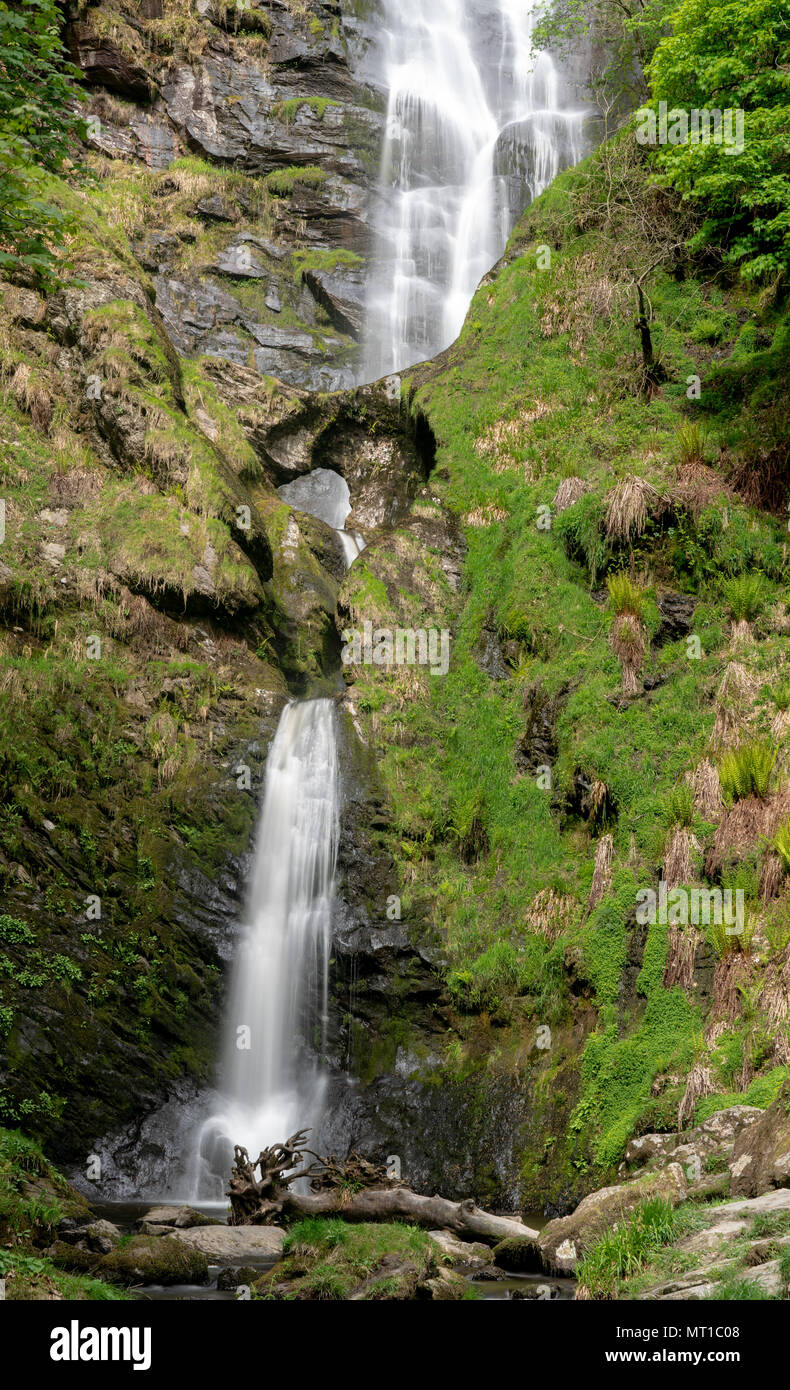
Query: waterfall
{"type": "Point", "coordinates": [275, 1023]}
{"type": "Point", "coordinates": [477, 126]}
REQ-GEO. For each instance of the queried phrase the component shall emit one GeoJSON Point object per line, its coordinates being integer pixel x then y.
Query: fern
{"type": "Point", "coordinates": [747, 771]}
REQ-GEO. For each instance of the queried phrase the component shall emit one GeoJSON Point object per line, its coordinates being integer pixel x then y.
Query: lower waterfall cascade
{"type": "Point", "coordinates": [275, 1022]}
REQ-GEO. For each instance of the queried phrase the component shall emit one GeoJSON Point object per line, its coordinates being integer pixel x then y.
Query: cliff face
{"type": "Point", "coordinates": [284, 143]}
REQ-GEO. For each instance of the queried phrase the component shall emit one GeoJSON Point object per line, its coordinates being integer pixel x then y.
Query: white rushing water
{"type": "Point", "coordinates": [272, 1083]}
{"type": "Point", "coordinates": [477, 125]}
{"type": "Point", "coordinates": [324, 494]}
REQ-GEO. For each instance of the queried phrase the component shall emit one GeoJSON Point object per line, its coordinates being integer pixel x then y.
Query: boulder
{"type": "Point", "coordinates": [514, 1255]}
{"type": "Point", "coordinates": [761, 1154]}
{"type": "Point", "coordinates": [342, 294]}
{"type": "Point", "coordinates": [182, 1218]}
{"type": "Point", "coordinates": [563, 1241]}
{"type": "Point", "coordinates": [232, 1244]}
{"type": "Point", "coordinates": [692, 1148]}
{"type": "Point", "coordinates": [229, 1279]}
{"type": "Point", "coordinates": [467, 1252]}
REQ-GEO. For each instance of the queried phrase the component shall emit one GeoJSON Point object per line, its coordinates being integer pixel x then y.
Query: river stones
{"type": "Point", "coordinates": [467, 1252]}
{"type": "Point", "coordinates": [761, 1154]}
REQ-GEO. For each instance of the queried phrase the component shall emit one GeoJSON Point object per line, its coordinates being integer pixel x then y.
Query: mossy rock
{"type": "Point", "coordinates": [154, 1260]}
{"type": "Point", "coordinates": [73, 1257]}
{"type": "Point", "coordinates": [517, 1255]}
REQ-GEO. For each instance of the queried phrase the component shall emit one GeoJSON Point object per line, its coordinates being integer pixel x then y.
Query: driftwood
{"type": "Point", "coordinates": [352, 1188]}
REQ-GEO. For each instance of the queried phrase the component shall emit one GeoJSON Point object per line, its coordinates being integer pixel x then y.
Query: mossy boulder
{"type": "Point", "coordinates": [154, 1260]}
{"type": "Point", "coordinates": [562, 1242]}
{"type": "Point", "coordinates": [514, 1254]}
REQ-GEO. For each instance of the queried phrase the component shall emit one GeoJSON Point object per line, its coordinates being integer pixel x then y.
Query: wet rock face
{"type": "Point", "coordinates": [538, 746]}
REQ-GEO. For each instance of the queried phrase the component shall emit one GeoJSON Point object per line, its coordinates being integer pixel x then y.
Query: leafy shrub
{"type": "Point", "coordinates": [15, 932]}
{"type": "Point", "coordinates": [731, 57]}
{"type": "Point", "coordinates": [747, 770]}
{"type": "Point", "coordinates": [37, 123]}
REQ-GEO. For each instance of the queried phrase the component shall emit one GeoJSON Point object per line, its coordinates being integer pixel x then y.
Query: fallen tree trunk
{"type": "Point", "coordinates": [355, 1189]}
{"type": "Point", "coordinates": [400, 1203]}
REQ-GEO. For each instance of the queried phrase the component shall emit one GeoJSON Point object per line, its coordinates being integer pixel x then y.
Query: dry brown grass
{"type": "Point", "coordinates": [630, 504]}
{"type": "Point", "coordinates": [586, 297]}
{"type": "Point", "coordinates": [772, 877]}
{"type": "Point", "coordinates": [602, 875]}
{"type": "Point", "coordinates": [750, 821]}
{"type": "Point", "coordinates": [682, 943]}
{"type": "Point", "coordinates": [735, 699]}
{"type": "Point", "coordinates": [774, 1005]}
{"type": "Point", "coordinates": [551, 914]}
{"type": "Point", "coordinates": [485, 516]}
{"type": "Point", "coordinates": [732, 973]}
{"type": "Point", "coordinates": [678, 861]}
{"type": "Point", "coordinates": [568, 492]}
{"type": "Point", "coordinates": [697, 486]}
{"type": "Point", "coordinates": [705, 784]}
{"type": "Point", "coordinates": [741, 635]}
{"type": "Point", "coordinates": [699, 1084]}
{"type": "Point", "coordinates": [32, 395]}
{"type": "Point", "coordinates": [628, 643]}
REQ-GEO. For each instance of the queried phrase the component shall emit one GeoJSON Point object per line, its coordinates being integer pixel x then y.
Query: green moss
{"type": "Point", "coordinates": [283, 182]}
{"type": "Point", "coordinates": [287, 111]}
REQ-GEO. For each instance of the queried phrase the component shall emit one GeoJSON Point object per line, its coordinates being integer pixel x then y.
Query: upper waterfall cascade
{"type": "Point", "coordinates": [478, 124]}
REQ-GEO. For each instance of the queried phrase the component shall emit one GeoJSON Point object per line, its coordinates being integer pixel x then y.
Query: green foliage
{"type": "Point", "coordinates": [725, 55]}
{"type": "Point", "coordinates": [37, 125]}
{"type": "Point", "coordinates": [284, 182]}
{"type": "Point", "coordinates": [15, 932]}
{"type": "Point", "coordinates": [499, 973]}
{"type": "Point", "coordinates": [680, 806]}
{"type": "Point", "coordinates": [332, 1257]}
{"type": "Point", "coordinates": [747, 770]}
{"type": "Point", "coordinates": [781, 844]}
{"type": "Point", "coordinates": [691, 442]}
